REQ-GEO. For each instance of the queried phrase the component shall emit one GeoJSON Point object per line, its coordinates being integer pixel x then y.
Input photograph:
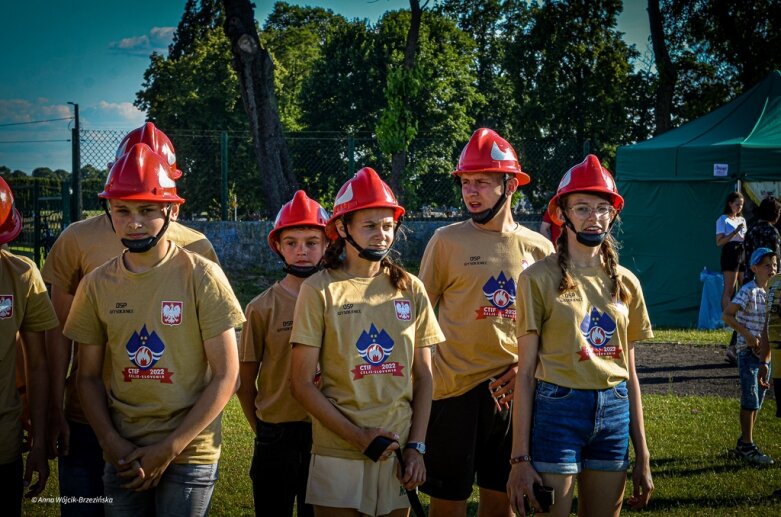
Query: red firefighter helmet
{"type": "Point", "coordinates": [159, 142]}
{"type": "Point", "coordinates": [140, 175]}
{"type": "Point", "coordinates": [486, 151]}
{"type": "Point", "coordinates": [299, 211]}
{"type": "Point", "coordinates": [364, 190]}
{"type": "Point", "coordinates": [10, 218]}
{"type": "Point", "coordinates": [588, 176]}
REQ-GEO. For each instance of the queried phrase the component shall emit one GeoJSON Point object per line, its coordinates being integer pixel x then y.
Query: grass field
{"type": "Point", "coordinates": [689, 438]}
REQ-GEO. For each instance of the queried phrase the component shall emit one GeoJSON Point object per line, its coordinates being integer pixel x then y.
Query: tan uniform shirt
{"type": "Point", "coordinates": [24, 305]}
{"type": "Point", "coordinates": [81, 248]}
{"type": "Point", "coordinates": [266, 339]}
{"type": "Point", "coordinates": [471, 274]}
{"type": "Point", "coordinates": [153, 325]}
{"type": "Point", "coordinates": [367, 332]}
{"type": "Point", "coordinates": [584, 334]}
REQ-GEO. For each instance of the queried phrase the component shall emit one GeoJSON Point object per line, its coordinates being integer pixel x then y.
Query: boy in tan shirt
{"type": "Point", "coordinates": [283, 429]}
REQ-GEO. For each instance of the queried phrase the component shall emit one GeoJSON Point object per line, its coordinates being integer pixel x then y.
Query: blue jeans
{"type": "Point", "coordinates": [751, 393]}
{"type": "Point", "coordinates": [185, 490]}
{"type": "Point", "coordinates": [575, 430]}
{"type": "Point", "coordinates": [280, 468]}
{"type": "Point", "coordinates": [81, 472]}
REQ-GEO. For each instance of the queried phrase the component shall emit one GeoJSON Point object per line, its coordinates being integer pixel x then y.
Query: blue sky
{"type": "Point", "coordinates": [95, 52]}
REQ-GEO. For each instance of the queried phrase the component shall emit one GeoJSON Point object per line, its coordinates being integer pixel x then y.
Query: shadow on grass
{"type": "Point", "coordinates": [697, 367]}
{"type": "Point", "coordinates": [714, 502]}
{"type": "Point", "coordinates": [725, 461]}
{"type": "Point", "coordinates": [673, 379]}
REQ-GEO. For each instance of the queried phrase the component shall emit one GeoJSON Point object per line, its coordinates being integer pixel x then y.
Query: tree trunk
{"type": "Point", "coordinates": [399, 159]}
{"type": "Point", "coordinates": [665, 68]}
{"type": "Point", "coordinates": [255, 71]}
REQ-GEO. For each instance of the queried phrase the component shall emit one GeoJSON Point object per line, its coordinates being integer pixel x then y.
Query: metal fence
{"type": "Point", "coordinates": [222, 177]}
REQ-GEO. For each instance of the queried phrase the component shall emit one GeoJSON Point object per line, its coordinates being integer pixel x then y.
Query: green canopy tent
{"type": "Point", "coordinates": [675, 186]}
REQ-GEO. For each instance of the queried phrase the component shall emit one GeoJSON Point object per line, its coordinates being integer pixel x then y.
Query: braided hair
{"type": "Point", "coordinates": [609, 254]}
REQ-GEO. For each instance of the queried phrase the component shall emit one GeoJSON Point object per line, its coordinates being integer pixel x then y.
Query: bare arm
{"type": "Point", "coordinates": [223, 357]}
{"type": "Point", "coordinates": [422, 391]}
{"type": "Point", "coordinates": [34, 346]}
{"type": "Point", "coordinates": [248, 391]}
{"type": "Point", "coordinates": [522, 475]}
{"type": "Point", "coordinates": [92, 393]}
{"type": "Point", "coordinates": [642, 483]}
{"type": "Point", "coordinates": [58, 352]}
{"type": "Point", "coordinates": [303, 367]}
{"type": "Point", "coordinates": [728, 316]}
{"type": "Point", "coordinates": [724, 238]}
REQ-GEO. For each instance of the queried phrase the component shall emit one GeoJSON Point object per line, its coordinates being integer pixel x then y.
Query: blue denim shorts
{"type": "Point", "coordinates": [575, 430]}
{"type": "Point", "coordinates": [751, 393]}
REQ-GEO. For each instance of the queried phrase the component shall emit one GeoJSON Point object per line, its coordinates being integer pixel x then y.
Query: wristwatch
{"type": "Point", "coordinates": [418, 446]}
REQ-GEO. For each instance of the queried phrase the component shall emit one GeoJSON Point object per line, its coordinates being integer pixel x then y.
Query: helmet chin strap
{"type": "Point", "coordinates": [369, 254]}
{"type": "Point", "coordinates": [592, 240]}
{"type": "Point", "coordinates": [299, 271]}
{"type": "Point", "coordinates": [140, 245]}
{"type": "Point", "coordinates": [486, 215]}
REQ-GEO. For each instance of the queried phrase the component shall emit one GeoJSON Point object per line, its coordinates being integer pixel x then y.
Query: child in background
{"type": "Point", "coordinates": [24, 308]}
{"type": "Point", "coordinates": [283, 429]}
{"type": "Point", "coordinates": [746, 314]}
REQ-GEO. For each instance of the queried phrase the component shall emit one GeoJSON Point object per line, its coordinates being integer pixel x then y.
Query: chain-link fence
{"type": "Point", "coordinates": [221, 174]}
{"type": "Point", "coordinates": [222, 177]}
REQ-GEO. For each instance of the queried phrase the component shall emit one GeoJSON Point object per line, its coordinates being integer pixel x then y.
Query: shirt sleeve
{"type": "Point", "coordinates": [62, 266]}
{"type": "Point", "coordinates": [639, 327]}
{"type": "Point", "coordinates": [309, 317]}
{"type": "Point", "coordinates": [427, 331]}
{"type": "Point", "coordinates": [529, 307]}
{"type": "Point", "coordinates": [218, 308]}
{"type": "Point", "coordinates": [429, 274]}
{"type": "Point", "coordinates": [39, 313]}
{"type": "Point", "coordinates": [253, 335]}
{"type": "Point", "coordinates": [84, 324]}
{"type": "Point", "coordinates": [721, 226]}
{"type": "Point", "coordinates": [741, 299]}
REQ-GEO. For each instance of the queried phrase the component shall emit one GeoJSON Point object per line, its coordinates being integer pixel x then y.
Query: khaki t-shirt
{"type": "Point", "coordinates": [367, 332]}
{"type": "Point", "coordinates": [471, 273]}
{"type": "Point", "coordinates": [265, 338]}
{"type": "Point", "coordinates": [584, 334]}
{"type": "Point", "coordinates": [774, 323]}
{"type": "Point", "coordinates": [87, 244]}
{"type": "Point", "coordinates": [153, 325]}
{"type": "Point", "coordinates": [24, 305]}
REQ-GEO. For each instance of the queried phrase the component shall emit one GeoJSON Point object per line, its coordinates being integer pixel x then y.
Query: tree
{"type": "Point", "coordinates": [571, 72]}
{"type": "Point", "coordinates": [484, 21]}
{"type": "Point", "coordinates": [345, 93]}
{"type": "Point", "coordinates": [255, 71]}
{"type": "Point", "coordinates": [398, 125]}
{"type": "Point", "coordinates": [295, 36]}
{"type": "Point", "coordinates": [665, 68]}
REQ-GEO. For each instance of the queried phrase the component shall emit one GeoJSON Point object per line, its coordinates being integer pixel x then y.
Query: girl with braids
{"type": "Point", "coordinates": [577, 392]}
{"type": "Point", "coordinates": [370, 326]}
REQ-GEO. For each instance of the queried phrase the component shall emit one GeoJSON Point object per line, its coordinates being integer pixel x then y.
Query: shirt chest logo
{"type": "Point", "coordinates": [375, 348]}
{"type": "Point", "coordinates": [597, 329]}
{"type": "Point", "coordinates": [403, 310]}
{"type": "Point", "coordinates": [144, 349]}
{"type": "Point", "coordinates": [6, 306]}
{"type": "Point", "coordinates": [171, 313]}
{"type": "Point", "coordinates": [500, 292]}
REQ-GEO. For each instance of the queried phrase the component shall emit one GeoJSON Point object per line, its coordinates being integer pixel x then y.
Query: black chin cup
{"type": "Point", "coordinates": [140, 245]}
{"type": "Point", "coordinates": [592, 240]}
{"type": "Point", "coordinates": [369, 254]}
{"type": "Point", "coordinates": [300, 271]}
{"type": "Point", "coordinates": [486, 215]}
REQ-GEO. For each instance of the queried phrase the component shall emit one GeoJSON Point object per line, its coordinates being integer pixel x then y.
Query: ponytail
{"type": "Point", "coordinates": [562, 247]}
{"type": "Point", "coordinates": [610, 260]}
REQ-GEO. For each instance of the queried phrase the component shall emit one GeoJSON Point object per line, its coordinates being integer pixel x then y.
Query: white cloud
{"type": "Point", "coordinates": [157, 40]}
{"type": "Point", "coordinates": [23, 110]}
{"type": "Point", "coordinates": [126, 110]}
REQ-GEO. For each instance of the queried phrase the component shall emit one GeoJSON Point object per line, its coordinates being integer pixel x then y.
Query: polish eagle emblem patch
{"type": "Point", "coordinates": [171, 313]}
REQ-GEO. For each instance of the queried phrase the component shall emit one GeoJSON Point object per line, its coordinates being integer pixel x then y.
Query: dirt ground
{"type": "Point", "coordinates": [669, 368]}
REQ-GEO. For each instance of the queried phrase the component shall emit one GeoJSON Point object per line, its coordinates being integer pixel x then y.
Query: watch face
{"type": "Point", "coordinates": [418, 446]}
